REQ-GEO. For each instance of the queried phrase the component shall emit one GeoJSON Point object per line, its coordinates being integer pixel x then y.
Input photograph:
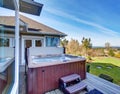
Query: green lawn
{"type": "Point", "coordinates": [104, 63]}
{"type": "Point", "coordinates": [110, 60]}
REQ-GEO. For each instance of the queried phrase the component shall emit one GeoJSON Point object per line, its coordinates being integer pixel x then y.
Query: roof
{"type": "Point", "coordinates": [32, 24]}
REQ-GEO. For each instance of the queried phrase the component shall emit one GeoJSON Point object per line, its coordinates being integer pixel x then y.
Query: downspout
{"type": "Point", "coordinates": [15, 88]}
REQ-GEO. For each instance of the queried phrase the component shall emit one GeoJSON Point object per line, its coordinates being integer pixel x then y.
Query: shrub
{"type": "Point", "coordinates": [111, 52]}
{"type": "Point", "coordinates": [88, 68]}
{"type": "Point", "coordinates": [117, 55]}
{"type": "Point", "coordinates": [106, 77]}
{"type": "Point", "coordinates": [89, 58]}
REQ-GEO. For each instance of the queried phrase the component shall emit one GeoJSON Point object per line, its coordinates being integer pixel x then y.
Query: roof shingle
{"type": "Point", "coordinates": [10, 21]}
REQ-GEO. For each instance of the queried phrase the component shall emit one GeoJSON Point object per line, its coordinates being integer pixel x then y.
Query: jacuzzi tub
{"type": "Point", "coordinates": [50, 59]}
{"type": "Point", "coordinates": [2, 60]}
{"type": "Point", "coordinates": [46, 70]}
{"type": "Point", "coordinates": [40, 61]}
{"type": "Point", "coordinates": [5, 62]}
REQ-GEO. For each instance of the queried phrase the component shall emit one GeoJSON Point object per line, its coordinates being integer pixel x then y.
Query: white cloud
{"type": "Point", "coordinates": [101, 28]}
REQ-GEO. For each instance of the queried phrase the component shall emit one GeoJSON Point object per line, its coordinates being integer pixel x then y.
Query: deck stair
{"type": "Point", "coordinates": [71, 84]}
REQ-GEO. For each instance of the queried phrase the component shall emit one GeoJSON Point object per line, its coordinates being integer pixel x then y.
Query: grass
{"type": "Point", "coordinates": [104, 63]}
{"type": "Point", "coordinates": [110, 60]}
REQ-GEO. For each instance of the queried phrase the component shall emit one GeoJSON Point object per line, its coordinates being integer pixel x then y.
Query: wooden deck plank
{"type": "Point", "coordinates": [99, 87]}
{"type": "Point", "coordinates": [90, 76]}
{"type": "Point", "coordinates": [57, 91]}
{"type": "Point", "coordinates": [94, 82]}
{"type": "Point", "coordinates": [47, 93]}
{"type": "Point", "coordinates": [52, 92]}
{"type": "Point", "coordinates": [102, 85]}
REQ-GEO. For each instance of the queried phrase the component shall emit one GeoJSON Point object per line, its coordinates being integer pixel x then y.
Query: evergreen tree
{"type": "Point", "coordinates": [86, 44]}
{"type": "Point", "coordinates": [64, 42]}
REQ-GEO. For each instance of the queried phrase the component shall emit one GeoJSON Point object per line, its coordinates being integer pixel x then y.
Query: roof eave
{"type": "Point", "coordinates": [34, 32]}
{"type": "Point", "coordinates": [47, 33]}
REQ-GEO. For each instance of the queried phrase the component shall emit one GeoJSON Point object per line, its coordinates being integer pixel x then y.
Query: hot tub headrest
{"type": "Point", "coordinates": [45, 50]}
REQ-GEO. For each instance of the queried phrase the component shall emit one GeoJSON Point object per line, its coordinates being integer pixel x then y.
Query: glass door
{"type": "Point", "coordinates": [7, 65]}
{"type": "Point", "coordinates": [26, 43]}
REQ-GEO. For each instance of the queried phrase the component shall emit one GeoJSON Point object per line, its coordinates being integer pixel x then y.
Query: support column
{"type": "Point", "coordinates": [15, 88]}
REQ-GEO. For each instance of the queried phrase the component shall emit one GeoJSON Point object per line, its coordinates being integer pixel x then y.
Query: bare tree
{"type": "Point", "coordinates": [73, 47]}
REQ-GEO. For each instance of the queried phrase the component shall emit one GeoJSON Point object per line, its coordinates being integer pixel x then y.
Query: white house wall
{"type": "Point", "coordinates": [43, 49]}
{"type": "Point", "coordinates": [33, 38]}
{"type": "Point", "coordinates": [6, 52]}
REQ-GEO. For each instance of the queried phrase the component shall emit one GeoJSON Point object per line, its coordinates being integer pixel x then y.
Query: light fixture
{"type": "Point", "coordinates": [26, 6]}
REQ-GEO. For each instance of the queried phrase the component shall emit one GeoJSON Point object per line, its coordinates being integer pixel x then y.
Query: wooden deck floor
{"type": "Point", "coordinates": [92, 81]}
{"type": "Point", "coordinates": [22, 83]}
{"type": "Point", "coordinates": [102, 85]}
{"type": "Point", "coordinates": [95, 82]}
{"type": "Point", "coordinates": [57, 91]}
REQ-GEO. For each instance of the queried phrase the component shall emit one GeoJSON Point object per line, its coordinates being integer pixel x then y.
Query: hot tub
{"type": "Point", "coordinates": [48, 60]}
{"type": "Point", "coordinates": [2, 60]}
{"type": "Point", "coordinates": [5, 62]}
{"type": "Point", "coordinates": [61, 58]}
{"type": "Point", "coordinates": [44, 71]}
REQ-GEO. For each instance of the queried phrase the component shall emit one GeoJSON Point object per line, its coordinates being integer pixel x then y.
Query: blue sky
{"type": "Point", "coordinates": [95, 19]}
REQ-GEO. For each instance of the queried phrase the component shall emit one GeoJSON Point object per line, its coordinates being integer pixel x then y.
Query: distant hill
{"type": "Point", "coordinates": [98, 47]}
{"type": "Point", "coordinates": [116, 47]}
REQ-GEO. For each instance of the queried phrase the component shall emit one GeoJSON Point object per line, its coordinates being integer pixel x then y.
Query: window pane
{"type": "Point", "coordinates": [48, 41]}
{"type": "Point", "coordinates": [38, 43]}
{"type": "Point", "coordinates": [4, 42]}
{"type": "Point", "coordinates": [55, 41]}
{"type": "Point", "coordinates": [28, 43]}
{"type": "Point", "coordinates": [52, 41]}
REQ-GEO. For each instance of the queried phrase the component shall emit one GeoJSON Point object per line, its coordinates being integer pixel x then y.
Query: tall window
{"type": "Point", "coordinates": [52, 41]}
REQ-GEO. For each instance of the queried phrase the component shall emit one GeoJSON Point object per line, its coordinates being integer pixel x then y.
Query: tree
{"type": "Point", "coordinates": [117, 54]}
{"type": "Point", "coordinates": [111, 52]}
{"type": "Point", "coordinates": [107, 45]}
{"type": "Point", "coordinates": [97, 52]}
{"type": "Point", "coordinates": [86, 44]}
{"type": "Point", "coordinates": [73, 47]}
{"type": "Point", "coordinates": [64, 42]}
